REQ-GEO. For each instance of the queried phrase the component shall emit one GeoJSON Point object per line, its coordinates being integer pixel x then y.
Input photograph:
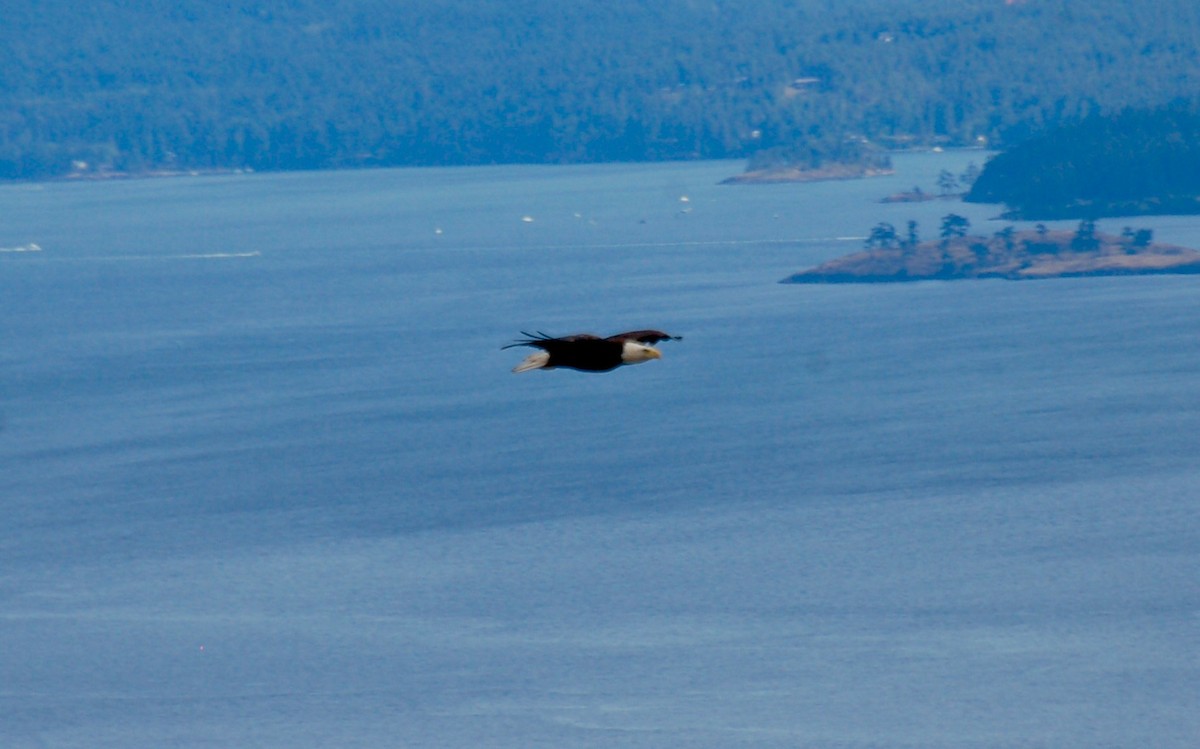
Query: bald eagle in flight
{"type": "Point", "coordinates": [589, 353]}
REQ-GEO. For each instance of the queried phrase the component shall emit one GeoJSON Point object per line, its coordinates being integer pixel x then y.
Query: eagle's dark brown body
{"type": "Point", "coordinates": [589, 353]}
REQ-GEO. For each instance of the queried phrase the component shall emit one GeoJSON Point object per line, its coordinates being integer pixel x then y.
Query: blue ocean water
{"type": "Point", "coordinates": [267, 479]}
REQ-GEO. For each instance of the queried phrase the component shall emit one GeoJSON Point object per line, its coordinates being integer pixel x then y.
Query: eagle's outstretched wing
{"type": "Point", "coordinates": [544, 342]}
{"type": "Point", "coordinates": [648, 337]}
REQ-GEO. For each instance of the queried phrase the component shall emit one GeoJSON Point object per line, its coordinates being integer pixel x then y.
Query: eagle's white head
{"type": "Point", "coordinates": [636, 353]}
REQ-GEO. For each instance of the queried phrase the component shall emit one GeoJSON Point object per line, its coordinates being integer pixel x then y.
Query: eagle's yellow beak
{"type": "Point", "coordinates": [654, 353]}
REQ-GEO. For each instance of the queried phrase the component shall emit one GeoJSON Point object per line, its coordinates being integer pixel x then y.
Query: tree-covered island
{"type": "Point", "coordinates": [892, 256]}
{"type": "Point", "coordinates": [812, 161]}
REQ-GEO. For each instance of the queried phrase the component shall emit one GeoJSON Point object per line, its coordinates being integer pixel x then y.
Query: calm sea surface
{"type": "Point", "coordinates": [266, 479]}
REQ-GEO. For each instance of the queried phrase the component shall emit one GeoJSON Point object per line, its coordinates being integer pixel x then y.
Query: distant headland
{"type": "Point", "coordinates": [1130, 164]}
{"type": "Point", "coordinates": [1008, 254]}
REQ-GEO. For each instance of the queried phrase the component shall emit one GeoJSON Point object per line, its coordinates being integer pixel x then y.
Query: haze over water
{"type": "Point", "coordinates": [267, 480]}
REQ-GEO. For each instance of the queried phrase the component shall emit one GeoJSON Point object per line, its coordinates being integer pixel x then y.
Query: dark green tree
{"type": "Point", "coordinates": [1085, 239]}
{"type": "Point", "coordinates": [883, 236]}
{"type": "Point", "coordinates": [912, 237]}
{"type": "Point", "coordinates": [954, 225]}
{"type": "Point", "coordinates": [946, 182]}
{"type": "Point", "coordinates": [1005, 236]}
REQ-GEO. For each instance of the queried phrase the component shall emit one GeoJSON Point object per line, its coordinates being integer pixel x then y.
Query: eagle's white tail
{"type": "Point", "coordinates": [533, 361]}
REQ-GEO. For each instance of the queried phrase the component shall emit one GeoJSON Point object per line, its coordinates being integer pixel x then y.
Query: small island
{"type": "Point", "coordinates": [1008, 254]}
{"type": "Point", "coordinates": [813, 161]}
{"type": "Point", "coordinates": [787, 173]}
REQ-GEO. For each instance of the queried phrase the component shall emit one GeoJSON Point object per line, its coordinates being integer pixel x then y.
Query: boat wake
{"type": "Point", "coordinates": [217, 255]}
{"type": "Point", "coordinates": [670, 244]}
{"type": "Point", "coordinates": [163, 258]}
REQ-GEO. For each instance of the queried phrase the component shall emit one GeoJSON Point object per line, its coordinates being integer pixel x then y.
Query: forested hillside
{"type": "Point", "coordinates": [113, 85]}
{"type": "Point", "coordinates": [1131, 163]}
